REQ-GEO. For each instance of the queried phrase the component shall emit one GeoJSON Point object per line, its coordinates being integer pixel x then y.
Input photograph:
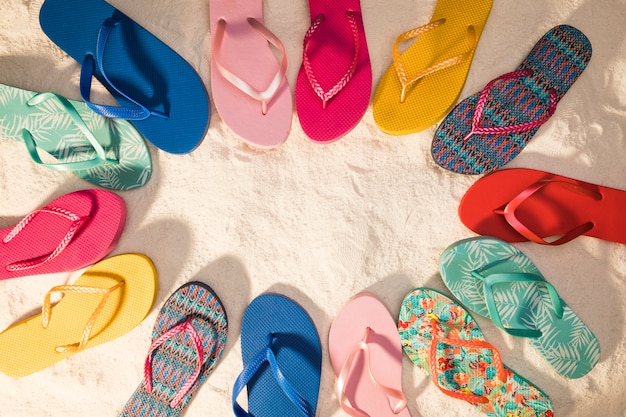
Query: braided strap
{"type": "Point", "coordinates": [325, 96]}
{"type": "Point", "coordinates": [100, 157]}
{"type": "Point", "coordinates": [46, 311]}
{"type": "Point", "coordinates": [139, 112]}
{"type": "Point", "coordinates": [76, 224]}
{"type": "Point", "coordinates": [185, 326]}
{"type": "Point", "coordinates": [509, 210]}
{"type": "Point", "coordinates": [344, 375]}
{"type": "Point", "coordinates": [519, 127]}
{"type": "Point", "coordinates": [266, 95]}
{"type": "Point", "coordinates": [414, 33]}
{"type": "Point", "coordinates": [501, 372]}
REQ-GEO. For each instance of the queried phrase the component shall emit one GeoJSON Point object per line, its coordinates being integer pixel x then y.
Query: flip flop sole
{"type": "Point", "coordinates": [140, 65]}
{"type": "Point", "coordinates": [566, 343]}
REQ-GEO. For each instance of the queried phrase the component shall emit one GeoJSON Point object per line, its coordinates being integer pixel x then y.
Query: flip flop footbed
{"type": "Point", "coordinates": [555, 62]}
{"type": "Point", "coordinates": [244, 52]}
{"type": "Point", "coordinates": [27, 347]}
{"type": "Point", "coordinates": [137, 63]}
{"type": "Point", "coordinates": [565, 342]}
{"type": "Point", "coordinates": [275, 321]}
{"type": "Point", "coordinates": [366, 319]}
{"type": "Point", "coordinates": [54, 132]}
{"type": "Point", "coordinates": [552, 210]}
{"type": "Point", "coordinates": [175, 361]}
{"type": "Point", "coordinates": [431, 97]}
{"type": "Point", "coordinates": [426, 313]}
{"type": "Point", "coordinates": [25, 246]}
{"type": "Point", "coordinates": [331, 53]}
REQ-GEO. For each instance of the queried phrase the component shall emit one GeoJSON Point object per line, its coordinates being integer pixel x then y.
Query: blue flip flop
{"type": "Point", "coordinates": [282, 360]}
{"type": "Point", "coordinates": [156, 88]}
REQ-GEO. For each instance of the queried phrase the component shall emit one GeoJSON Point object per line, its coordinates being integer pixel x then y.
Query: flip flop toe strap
{"type": "Point", "coordinates": [139, 112]}
{"type": "Point", "coordinates": [266, 355]}
{"type": "Point", "coordinates": [509, 211]}
{"type": "Point", "coordinates": [501, 373]}
{"type": "Point", "coordinates": [46, 311]}
{"type": "Point", "coordinates": [75, 225]}
{"type": "Point", "coordinates": [325, 96]}
{"type": "Point", "coordinates": [266, 95]}
{"type": "Point", "coordinates": [414, 33]}
{"type": "Point", "coordinates": [393, 395]}
{"type": "Point", "coordinates": [184, 327]}
{"type": "Point", "coordinates": [513, 128]}
{"type": "Point", "coordinates": [99, 159]}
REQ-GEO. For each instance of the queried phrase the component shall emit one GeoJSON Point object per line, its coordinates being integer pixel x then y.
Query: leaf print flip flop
{"type": "Point", "coordinates": [443, 340]}
{"type": "Point", "coordinates": [495, 280]}
{"type": "Point", "coordinates": [106, 152]}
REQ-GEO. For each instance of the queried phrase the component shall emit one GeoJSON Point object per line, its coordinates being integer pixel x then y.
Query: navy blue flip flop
{"type": "Point", "coordinates": [157, 90]}
{"type": "Point", "coordinates": [282, 360]}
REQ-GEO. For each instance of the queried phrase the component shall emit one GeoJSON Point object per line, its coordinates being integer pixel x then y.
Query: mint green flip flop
{"type": "Point", "coordinates": [495, 280]}
{"type": "Point", "coordinates": [107, 152]}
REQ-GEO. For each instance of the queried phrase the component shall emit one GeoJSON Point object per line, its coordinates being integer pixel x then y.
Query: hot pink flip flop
{"type": "Point", "coordinates": [71, 232]}
{"type": "Point", "coordinates": [335, 80]}
{"type": "Point", "coordinates": [366, 355]}
{"type": "Point", "coordinates": [249, 87]}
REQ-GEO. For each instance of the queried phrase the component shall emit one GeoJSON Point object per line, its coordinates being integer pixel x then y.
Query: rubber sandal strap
{"type": "Point", "coordinates": [520, 127]}
{"type": "Point", "coordinates": [345, 373]}
{"type": "Point", "coordinates": [511, 207]}
{"type": "Point", "coordinates": [266, 355]}
{"type": "Point", "coordinates": [501, 373]}
{"type": "Point", "coordinates": [414, 33]}
{"type": "Point", "coordinates": [31, 146]}
{"type": "Point", "coordinates": [76, 223]}
{"type": "Point", "coordinates": [492, 280]}
{"type": "Point", "coordinates": [263, 96]}
{"type": "Point", "coordinates": [183, 327]}
{"type": "Point", "coordinates": [46, 311]}
{"type": "Point", "coordinates": [139, 112]}
{"type": "Point", "coordinates": [325, 96]}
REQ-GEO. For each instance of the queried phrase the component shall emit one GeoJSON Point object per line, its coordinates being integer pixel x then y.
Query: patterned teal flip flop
{"type": "Point", "coordinates": [188, 340]}
{"type": "Point", "coordinates": [438, 334]}
{"type": "Point", "coordinates": [107, 152]}
{"type": "Point", "coordinates": [495, 280]}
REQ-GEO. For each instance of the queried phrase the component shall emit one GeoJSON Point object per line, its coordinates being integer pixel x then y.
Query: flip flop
{"type": "Point", "coordinates": [248, 84]}
{"type": "Point", "coordinates": [366, 355]}
{"type": "Point", "coordinates": [444, 341]}
{"type": "Point", "coordinates": [107, 152]}
{"type": "Point", "coordinates": [495, 280]}
{"type": "Point", "coordinates": [487, 130]}
{"type": "Point", "coordinates": [518, 205]}
{"type": "Point", "coordinates": [156, 88]}
{"type": "Point", "coordinates": [69, 233]}
{"type": "Point", "coordinates": [188, 340]}
{"type": "Point", "coordinates": [110, 299]}
{"type": "Point", "coordinates": [334, 83]}
{"type": "Point", "coordinates": [424, 82]}
{"type": "Point", "coordinates": [282, 360]}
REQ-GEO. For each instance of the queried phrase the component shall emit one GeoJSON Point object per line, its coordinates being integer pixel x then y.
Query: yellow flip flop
{"type": "Point", "coordinates": [424, 82]}
{"type": "Point", "coordinates": [110, 299]}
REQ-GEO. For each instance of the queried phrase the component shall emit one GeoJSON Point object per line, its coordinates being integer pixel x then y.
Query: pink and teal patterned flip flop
{"type": "Point", "coordinates": [487, 130]}
{"type": "Point", "coordinates": [443, 340]}
{"type": "Point", "coordinates": [188, 339]}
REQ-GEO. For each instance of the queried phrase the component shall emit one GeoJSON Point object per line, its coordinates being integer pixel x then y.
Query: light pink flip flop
{"type": "Point", "coordinates": [71, 232]}
{"type": "Point", "coordinates": [249, 87]}
{"type": "Point", "coordinates": [335, 80]}
{"type": "Point", "coordinates": [366, 355]}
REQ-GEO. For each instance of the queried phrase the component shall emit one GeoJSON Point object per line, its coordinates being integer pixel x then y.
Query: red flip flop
{"type": "Point", "coordinates": [335, 80]}
{"type": "Point", "coordinates": [69, 233]}
{"type": "Point", "coordinates": [518, 205]}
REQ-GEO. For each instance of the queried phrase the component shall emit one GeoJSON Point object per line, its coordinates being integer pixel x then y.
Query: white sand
{"type": "Point", "coordinates": [322, 223]}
